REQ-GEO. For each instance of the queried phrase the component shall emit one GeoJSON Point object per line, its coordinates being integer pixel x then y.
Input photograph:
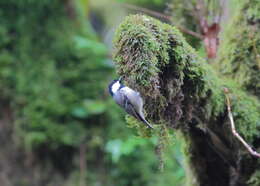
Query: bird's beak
{"type": "Point", "coordinates": [120, 79]}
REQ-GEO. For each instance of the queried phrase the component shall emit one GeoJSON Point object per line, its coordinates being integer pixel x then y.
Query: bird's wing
{"type": "Point", "coordinates": [134, 104]}
{"type": "Point", "coordinates": [130, 109]}
{"type": "Point", "coordinates": [125, 102]}
{"type": "Point", "coordinates": [138, 115]}
{"type": "Point", "coordinates": [133, 97]}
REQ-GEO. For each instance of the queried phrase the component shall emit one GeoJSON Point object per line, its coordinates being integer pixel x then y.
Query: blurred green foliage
{"type": "Point", "coordinates": [54, 72]}
{"type": "Point", "coordinates": [242, 63]}
{"type": "Point", "coordinates": [158, 5]}
{"type": "Point", "coordinates": [144, 2]}
{"type": "Point", "coordinates": [182, 15]}
{"type": "Point", "coordinates": [135, 148]}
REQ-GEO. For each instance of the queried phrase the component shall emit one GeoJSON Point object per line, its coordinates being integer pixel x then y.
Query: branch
{"type": "Point", "coordinates": [148, 11]}
{"type": "Point", "coordinates": [235, 133]}
{"type": "Point", "coordinates": [162, 16]}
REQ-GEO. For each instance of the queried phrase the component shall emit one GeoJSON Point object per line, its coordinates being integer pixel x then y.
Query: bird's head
{"type": "Point", "coordinates": [115, 85]}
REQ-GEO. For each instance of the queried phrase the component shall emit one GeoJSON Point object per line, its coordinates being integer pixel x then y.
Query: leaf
{"type": "Point", "coordinates": [114, 147]}
{"type": "Point", "coordinates": [79, 112]}
{"type": "Point", "coordinates": [32, 139]}
{"type": "Point", "coordinates": [94, 106]}
{"type": "Point", "coordinates": [92, 46]}
{"type": "Point", "coordinates": [117, 147]}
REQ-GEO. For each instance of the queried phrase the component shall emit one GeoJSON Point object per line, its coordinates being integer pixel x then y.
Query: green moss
{"type": "Point", "coordinates": [239, 50]}
{"type": "Point", "coordinates": [255, 179]}
{"type": "Point", "coordinates": [245, 110]}
{"type": "Point", "coordinates": [148, 53]}
{"type": "Point", "coordinates": [139, 35]}
{"type": "Point", "coordinates": [156, 60]}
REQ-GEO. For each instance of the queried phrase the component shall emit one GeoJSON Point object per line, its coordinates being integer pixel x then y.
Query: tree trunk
{"type": "Point", "coordinates": [183, 92]}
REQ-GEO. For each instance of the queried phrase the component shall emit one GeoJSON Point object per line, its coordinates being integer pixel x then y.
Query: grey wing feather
{"type": "Point", "coordinates": [134, 105]}
{"type": "Point", "coordinates": [122, 100]}
{"type": "Point", "coordinates": [134, 98]}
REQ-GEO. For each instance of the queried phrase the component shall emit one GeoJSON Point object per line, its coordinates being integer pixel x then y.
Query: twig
{"type": "Point", "coordinates": [162, 16]}
{"type": "Point", "coordinates": [235, 133]}
{"type": "Point", "coordinates": [195, 34]}
{"type": "Point", "coordinates": [148, 11]}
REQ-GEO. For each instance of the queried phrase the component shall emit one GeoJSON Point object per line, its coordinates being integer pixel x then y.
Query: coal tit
{"type": "Point", "coordinates": [128, 99]}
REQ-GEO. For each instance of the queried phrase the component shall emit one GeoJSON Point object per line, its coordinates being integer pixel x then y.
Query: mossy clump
{"type": "Point", "coordinates": [177, 86]}
{"type": "Point", "coordinates": [155, 59]}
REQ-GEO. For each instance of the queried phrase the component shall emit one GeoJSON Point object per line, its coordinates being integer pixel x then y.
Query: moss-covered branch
{"type": "Point", "coordinates": [182, 91]}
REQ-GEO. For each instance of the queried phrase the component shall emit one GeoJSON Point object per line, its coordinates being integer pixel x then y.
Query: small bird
{"type": "Point", "coordinates": [128, 99]}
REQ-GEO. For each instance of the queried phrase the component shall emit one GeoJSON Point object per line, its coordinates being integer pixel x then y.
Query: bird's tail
{"type": "Point", "coordinates": [140, 116]}
{"type": "Point", "coordinates": [145, 121]}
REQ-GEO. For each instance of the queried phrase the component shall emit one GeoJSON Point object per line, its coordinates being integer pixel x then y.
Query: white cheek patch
{"type": "Point", "coordinates": [115, 87]}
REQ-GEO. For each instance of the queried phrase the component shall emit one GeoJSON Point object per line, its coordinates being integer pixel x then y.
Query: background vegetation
{"type": "Point", "coordinates": [58, 124]}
